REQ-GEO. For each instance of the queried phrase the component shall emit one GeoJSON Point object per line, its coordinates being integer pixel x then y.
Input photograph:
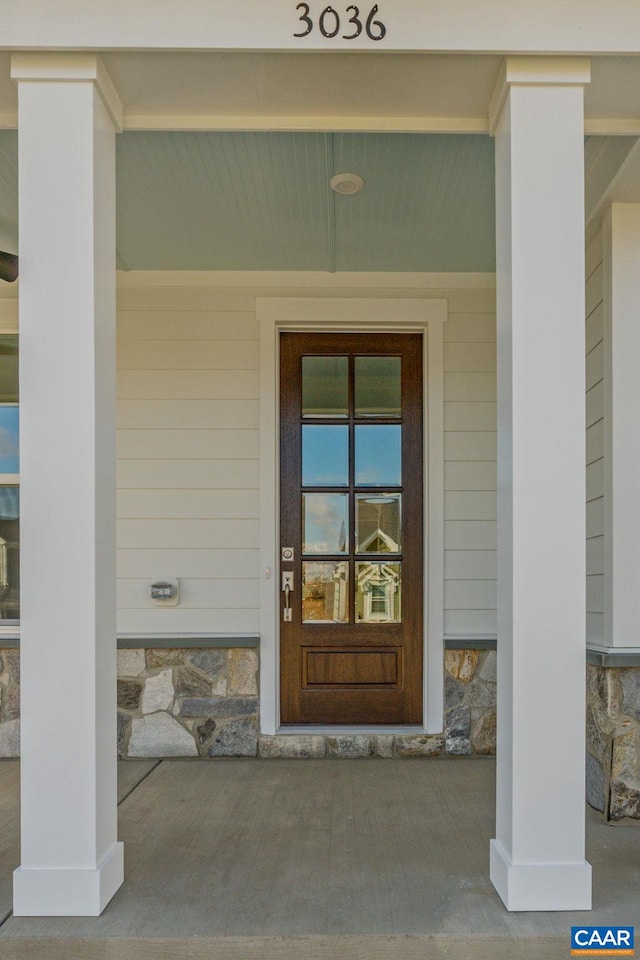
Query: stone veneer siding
{"type": "Point", "coordinates": [188, 703]}
{"type": "Point", "coordinates": [204, 703]}
{"type": "Point", "coordinates": [613, 741]}
{"type": "Point", "coordinates": [9, 703]}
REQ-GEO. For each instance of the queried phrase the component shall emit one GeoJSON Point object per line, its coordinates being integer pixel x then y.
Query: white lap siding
{"type": "Point", "coordinates": [187, 460]}
{"type": "Point", "coordinates": [470, 473]}
{"type": "Point", "coordinates": [188, 446]}
{"type": "Point", "coordinates": [595, 441]}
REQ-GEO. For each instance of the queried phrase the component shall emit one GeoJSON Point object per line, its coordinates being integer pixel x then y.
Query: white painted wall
{"type": "Point", "coordinates": [595, 439]}
{"type": "Point", "coordinates": [188, 449]}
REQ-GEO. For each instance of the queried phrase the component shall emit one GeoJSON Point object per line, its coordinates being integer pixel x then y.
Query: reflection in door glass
{"type": "Point", "coordinates": [325, 456]}
{"type": "Point", "coordinates": [377, 386]}
{"type": "Point", "coordinates": [325, 386]}
{"type": "Point", "coordinates": [325, 595]}
{"type": "Point", "coordinates": [325, 518]}
{"type": "Point", "coordinates": [378, 455]}
{"type": "Point", "coordinates": [378, 589]}
{"type": "Point", "coordinates": [378, 523]}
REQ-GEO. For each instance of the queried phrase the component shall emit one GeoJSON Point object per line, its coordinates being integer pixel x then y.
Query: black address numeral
{"type": "Point", "coordinates": [329, 23]}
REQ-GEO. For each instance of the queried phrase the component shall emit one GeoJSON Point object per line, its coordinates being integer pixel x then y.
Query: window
{"type": "Point", "coordinates": [9, 481]}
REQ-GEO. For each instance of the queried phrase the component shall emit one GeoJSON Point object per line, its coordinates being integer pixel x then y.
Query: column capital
{"type": "Point", "coordinates": [69, 68]}
{"type": "Point", "coordinates": [536, 72]}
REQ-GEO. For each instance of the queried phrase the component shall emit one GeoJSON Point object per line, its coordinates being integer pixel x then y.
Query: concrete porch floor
{"type": "Point", "coordinates": [311, 859]}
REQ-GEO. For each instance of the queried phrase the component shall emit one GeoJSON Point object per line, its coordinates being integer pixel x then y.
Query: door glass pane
{"type": "Point", "coordinates": [378, 590]}
{"type": "Point", "coordinates": [325, 386]}
{"type": "Point", "coordinates": [325, 595]}
{"type": "Point", "coordinates": [325, 518]}
{"type": "Point", "coordinates": [378, 455]}
{"type": "Point", "coordinates": [378, 523]}
{"type": "Point", "coordinates": [325, 456]}
{"type": "Point", "coordinates": [9, 419]}
{"type": "Point", "coordinates": [377, 386]}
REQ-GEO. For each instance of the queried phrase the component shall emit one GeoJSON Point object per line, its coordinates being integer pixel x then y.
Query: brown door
{"type": "Point", "coordinates": [351, 475]}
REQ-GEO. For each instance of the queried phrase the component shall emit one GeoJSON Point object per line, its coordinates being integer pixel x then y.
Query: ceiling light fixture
{"type": "Point", "coordinates": [346, 183]}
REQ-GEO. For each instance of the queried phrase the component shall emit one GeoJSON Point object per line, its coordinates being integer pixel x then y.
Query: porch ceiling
{"type": "Point", "coordinates": [197, 192]}
{"type": "Point", "coordinates": [262, 201]}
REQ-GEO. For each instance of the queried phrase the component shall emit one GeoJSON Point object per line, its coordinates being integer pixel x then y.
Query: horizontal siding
{"type": "Point", "coordinates": [595, 480]}
{"type": "Point", "coordinates": [188, 384]}
{"type": "Point", "coordinates": [470, 565]}
{"type": "Point", "coordinates": [595, 593]}
{"type": "Point", "coordinates": [179, 620]}
{"type": "Point", "coordinates": [470, 416]}
{"type": "Point", "coordinates": [477, 594]}
{"type": "Point", "coordinates": [473, 327]}
{"type": "Point", "coordinates": [595, 441]}
{"type": "Point", "coordinates": [595, 627]}
{"type": "Point", "coordinates": [221, 563]}
{"type": "Point", "coordinates": [595, 404]}
{"type": "Point", "coordinates": [188, 474]}
{"type": "Point", "coordinates": [594, 328]}
{"type": "Point", "coordinates": [188, 355]}
{"type": "Point", "coordinates": [593, 290]}
{"type": "Point", "coordinates": [188, 444]}
{"type": "Point", "coordinates": [188, 504]}
{"type": "Point", "coordinates": [470, 505]}
{"type": "Point", "coordinates": [470, 386]}
{"type": "Point", "coordinates": [470, 622]}
{"type": "Point", "coordinates": [188, 468]}
{"type": "Point", "coordinates": [470, 445]}
{"type": "Point", "coordinates": [174, 414]}
{"type": "Point", "coordinates": [198, 534]}
{"type": "Point", "coordinates": [470, 474]}
{"type": "Point", "coordinates": [469, 357]}
{"type": "Point", "coordinates": [227, 594]}
{"type": "Point", "coordinates": [595, 555]}
{"type": "Point", "coordinates": [186, 325]}
{"type": "Point", "coordinates": [596, 464]}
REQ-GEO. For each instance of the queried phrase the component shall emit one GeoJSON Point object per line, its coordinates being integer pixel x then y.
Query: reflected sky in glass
{"type": "Point", "coordinates": [9, 462]}
{"type": "Point", "coordinates": [378, 455]}
{"type": "Point", "coordinates": [325, 456]}
{"type": "Point", "coordinates": [326, 522]}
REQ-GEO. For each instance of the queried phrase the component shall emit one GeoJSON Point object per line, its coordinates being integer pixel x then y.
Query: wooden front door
{"type": "Point", "coordinates": [351, 476]}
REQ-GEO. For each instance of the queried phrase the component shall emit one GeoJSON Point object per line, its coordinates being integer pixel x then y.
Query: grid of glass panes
{"type": "Point", "coordinates": [9, 481]}
{"type": "Point", "coordinates": [351, 489]}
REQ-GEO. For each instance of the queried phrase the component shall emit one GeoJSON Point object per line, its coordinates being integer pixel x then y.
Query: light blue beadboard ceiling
{"type": "Point", "coordinates": [261, 201]}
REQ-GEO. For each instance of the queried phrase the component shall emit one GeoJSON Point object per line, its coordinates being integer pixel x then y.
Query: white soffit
{"type": "Point", "coordinates": [405, 92]}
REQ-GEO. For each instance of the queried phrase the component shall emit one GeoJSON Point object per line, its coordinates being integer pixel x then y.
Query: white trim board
{"type": "Point", "coordinates": [303, 279]}
{"type": "Point", "coordinates": [275, 315]}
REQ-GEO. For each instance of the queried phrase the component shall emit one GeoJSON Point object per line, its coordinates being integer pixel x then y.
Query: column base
{"type": "Point", "coordinates": [540, 886]}
{"type": "Point", "coordinates": [68, 893]}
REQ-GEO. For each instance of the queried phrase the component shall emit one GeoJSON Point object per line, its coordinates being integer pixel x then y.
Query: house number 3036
{"type": "Point", "coordinates": [329, 23]}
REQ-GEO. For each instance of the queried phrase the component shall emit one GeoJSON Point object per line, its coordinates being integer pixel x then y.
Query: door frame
{"type": "Point", "coordinates": [351, 315]}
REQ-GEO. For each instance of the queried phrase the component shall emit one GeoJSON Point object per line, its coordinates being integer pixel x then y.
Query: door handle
{"type": "Point", "coordinates": [287, 589]}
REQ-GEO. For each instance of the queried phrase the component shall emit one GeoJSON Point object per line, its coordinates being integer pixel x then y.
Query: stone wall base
{"type": "Point", "coordinates": [613, 741]}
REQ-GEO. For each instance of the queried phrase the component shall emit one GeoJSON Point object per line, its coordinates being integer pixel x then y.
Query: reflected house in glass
{"type": "Point", "coordinates": [325, 592]}
{"type": "Point", "coordinates": [378, 592]}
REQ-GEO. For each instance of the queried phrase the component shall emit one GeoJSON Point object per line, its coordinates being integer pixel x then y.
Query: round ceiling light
{"type": "Point", "coordinates": [346, 183]}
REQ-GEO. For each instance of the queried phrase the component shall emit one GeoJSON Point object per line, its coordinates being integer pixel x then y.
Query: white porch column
{"type": "Point", "coordinates": [537, 858]}
{"type": "Point", "coordinates": [621, 255]}
{"type": "Point", "coordinates": [71, 861]}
